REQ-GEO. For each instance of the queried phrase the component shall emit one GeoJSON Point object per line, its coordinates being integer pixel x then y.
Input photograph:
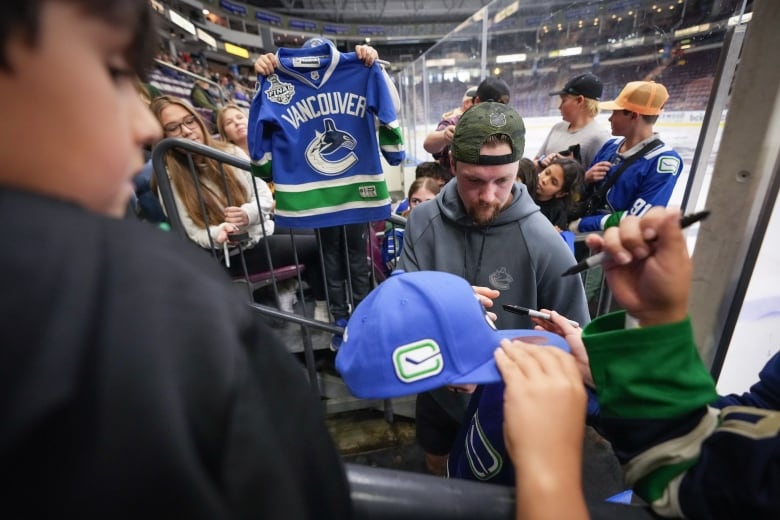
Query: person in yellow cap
{"type": "Point", "coordinates": [634, 170]}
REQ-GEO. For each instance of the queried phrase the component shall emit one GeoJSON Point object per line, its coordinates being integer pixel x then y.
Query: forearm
{"type": "Point", "coordinates": [551, 490]}
{"type": "Point", "coordinates": [435, 141]}
{"type": "Point", "coordinates": [653, 392]}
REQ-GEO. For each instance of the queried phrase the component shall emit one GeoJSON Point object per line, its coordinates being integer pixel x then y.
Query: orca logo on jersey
{"type": "Point", "coordinates": [279, 91]}
{"type": "Point", "coordinates": [331, 143]}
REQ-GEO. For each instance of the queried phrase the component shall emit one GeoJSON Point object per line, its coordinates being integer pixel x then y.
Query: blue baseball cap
{"type": "Point", "coordinates": [423, 330]}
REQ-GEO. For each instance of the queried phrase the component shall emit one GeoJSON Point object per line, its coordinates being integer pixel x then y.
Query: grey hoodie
{"type": "Point", "coordinates": [520, 254]}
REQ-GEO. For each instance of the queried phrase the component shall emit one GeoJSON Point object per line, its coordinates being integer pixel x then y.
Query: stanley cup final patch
{"type": "Point", "coordinates": [278, 91]}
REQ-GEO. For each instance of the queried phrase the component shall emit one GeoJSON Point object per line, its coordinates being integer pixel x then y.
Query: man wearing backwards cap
{"type": "Point", "coordinates": [438, 142]}
{"type": "Point", "coordinates": [647, 181]}
{"type": "Point", "coordinates": [487, 229]}
{"type": "Point", "coordinates": [579, 129]}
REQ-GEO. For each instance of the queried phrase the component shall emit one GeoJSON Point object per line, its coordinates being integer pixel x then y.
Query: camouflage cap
{"type": "Point", "coordinates": [481, 121]}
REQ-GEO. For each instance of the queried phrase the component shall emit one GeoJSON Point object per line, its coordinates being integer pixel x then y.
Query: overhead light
{"type": "Point", "coordinates": [511, 58]}
{"type": "Point", "coordinates": [571, 51]}
{"type": "Point", "coordinates": [206, 12]}
{"type": "Point", "coordinates": [440, 62]}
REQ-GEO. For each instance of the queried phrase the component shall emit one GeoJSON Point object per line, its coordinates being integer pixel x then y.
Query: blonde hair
{"type": "Point", "coordinates": [178, 166]}
{"type": "Point", "coordinates": [221, 120]}
{"type": "Point", "coordinates": [592, 106]}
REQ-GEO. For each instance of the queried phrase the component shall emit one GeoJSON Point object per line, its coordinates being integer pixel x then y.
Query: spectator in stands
{"type": "Point", "coordinates": [236, 210]}
{"type": "Point", "coordinates": [430, 169]}
{"type": "Point", "coordinates": [422, 190]}
{"type": "Point", "coordinates": [654, 167]}
{"type": "Point", "coordinates": [686, 451]}
{"type": "Point", "coordinates": [433, 170]}
{"type": "Point", "coordinates": [527, 174]}
{"type": "Point", "coordinates": [579, 136]}
{"type": "Point", "coordinates": [465, 104]}
{"type": "Point", "coordinates": [232, 126]}
{"type": "Point", "coordinates": [134, 381]}
{"type": "Point", "coordinates": [438, 142]}
{"type": "Point", "coordinates": [232, 89]}
{"type": "Point", "coordinates": [484, 227]}
{"type": "Point", "coordinates": [202, 97]}
{"type": "Point", "coordinates": [555, 188]}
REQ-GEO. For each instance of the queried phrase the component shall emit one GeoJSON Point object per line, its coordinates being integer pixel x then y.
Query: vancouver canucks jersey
{"type": "Point", "coordinates": [649, 181]}
{"type": "Point", "coordinates": [312, 129]}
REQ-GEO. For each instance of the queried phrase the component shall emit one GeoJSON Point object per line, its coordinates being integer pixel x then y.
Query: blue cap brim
{"type": "Point", "coordinates": [488, 371]}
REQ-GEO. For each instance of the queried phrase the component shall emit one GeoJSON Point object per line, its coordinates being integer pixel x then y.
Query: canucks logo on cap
{"type": "Point", "coordinates": [419, 360]}
{"type": "Point", "coordinates": [497, 119]}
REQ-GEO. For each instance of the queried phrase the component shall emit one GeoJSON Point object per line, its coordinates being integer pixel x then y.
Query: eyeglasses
{"type": "Point", "coordinates": [175, 128]}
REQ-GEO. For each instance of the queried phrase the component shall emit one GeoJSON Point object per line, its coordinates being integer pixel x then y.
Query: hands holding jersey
{"type": "Point", "coordinates": [266, 63]}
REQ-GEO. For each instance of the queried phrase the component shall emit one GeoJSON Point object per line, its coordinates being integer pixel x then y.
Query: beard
{"type": "Point", "coordinates": [484, 214]}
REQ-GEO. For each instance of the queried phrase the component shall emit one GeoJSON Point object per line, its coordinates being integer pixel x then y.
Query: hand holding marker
{"type": "Point", "coordinates": [534, 314]}
{"type": "Point", "coordinates": [600, 258]}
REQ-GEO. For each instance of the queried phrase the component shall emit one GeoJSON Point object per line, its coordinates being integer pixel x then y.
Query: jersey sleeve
{"type": "Point", "coordinates": [654, 391]}
{"type": "Point", "coordinates": [259, 130]}
{"type": "Point", "coordinates": [653, 186]}
{"type": "Point", "coordinates": [391, 142]}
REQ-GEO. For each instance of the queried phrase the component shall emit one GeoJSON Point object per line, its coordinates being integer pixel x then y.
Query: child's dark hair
{"type": "Point", "coordinates": [526, 173]}
{"type": "Point", "coordinates": [573, 174]}
{"type": "Point", "coordinates": [432, 169]}
{"type": "Point", "coordinates": [22, 17]}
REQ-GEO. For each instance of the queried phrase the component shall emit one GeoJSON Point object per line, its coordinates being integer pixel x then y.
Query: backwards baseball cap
{"type": "Point", "coordinates": [470, 93]}
{"type": "Point", "coordinates": [483, 120]}
{"type": "Point", "coordinates": [587, 85]}
{"type": "Point", "coordinates": [419, 331]}
{"type": "Point", "coordinates": [643, 97]}
{"type": "Point", "coordinates": [493, 89]}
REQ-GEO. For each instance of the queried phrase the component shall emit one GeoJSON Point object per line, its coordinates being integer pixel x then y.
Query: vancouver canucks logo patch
{"type": "Point", "coordinates": [497, 119]}
{"type": "Point", "coordinates": [418, 360]}
{"type": "Point", "coordinates": [500, 279]}
{"type": "Point", "coordinates": [278, 91]}
{"type": "Point", "coordinates": [668, 165]}
{"type": "Point", "coordinates": [330, 152]}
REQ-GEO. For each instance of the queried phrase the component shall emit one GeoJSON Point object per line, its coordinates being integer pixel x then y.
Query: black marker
{"type": "Point", "coordinates": [600, 258]}
{"type": "Point", "coordinates": [534, 314]}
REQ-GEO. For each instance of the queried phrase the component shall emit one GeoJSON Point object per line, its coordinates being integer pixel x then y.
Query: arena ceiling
{"type": "Point", "coordinates": [389, 12]}
{"type": "Point", "coordinates": [384, 12]}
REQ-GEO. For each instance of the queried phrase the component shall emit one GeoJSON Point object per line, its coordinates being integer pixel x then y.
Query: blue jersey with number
{"type": "Point", "coordinates": [649, 181]}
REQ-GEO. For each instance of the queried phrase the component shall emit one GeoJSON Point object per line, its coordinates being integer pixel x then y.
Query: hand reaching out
{"type": "Point", "coordinates": [486, 295]}
{"type": "Point", "coordinates": [544, 424]}
{"type": "Point", "coordinates": [649, 271]}
{"type": "Point", "coordinates": [573, 335]}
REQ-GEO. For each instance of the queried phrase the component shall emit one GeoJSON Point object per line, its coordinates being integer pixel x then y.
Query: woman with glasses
{"type": "Point", "coordinates": [231, 205]}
